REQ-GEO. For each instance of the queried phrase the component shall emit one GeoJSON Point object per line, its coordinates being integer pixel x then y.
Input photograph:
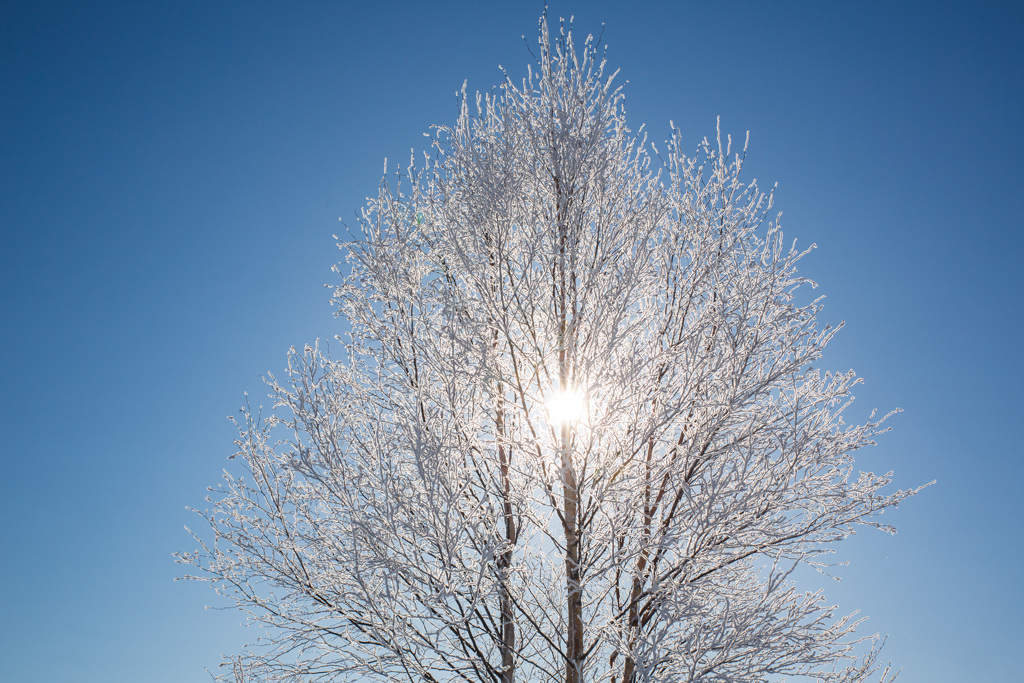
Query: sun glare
{"type": "Point", "coordinates": [565, 407]}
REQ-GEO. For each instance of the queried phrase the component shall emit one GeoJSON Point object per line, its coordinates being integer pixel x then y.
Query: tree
{"type": "Point", "coordinates": [575, 432]}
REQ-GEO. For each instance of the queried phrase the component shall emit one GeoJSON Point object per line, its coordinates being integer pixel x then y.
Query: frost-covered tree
{"type": "Point", "coordinates": [573, 432]}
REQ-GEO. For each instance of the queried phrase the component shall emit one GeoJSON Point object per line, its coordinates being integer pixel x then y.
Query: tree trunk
{"type": "Point", "coordinates": [508, 626]}
{"type": "Point", "coordinates": [565, 307]}
{"type": "Point", "coordinates": [574, 591]}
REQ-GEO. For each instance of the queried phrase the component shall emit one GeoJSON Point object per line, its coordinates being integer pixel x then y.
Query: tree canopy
{"type": "Point", "coordinates": [575, 430]}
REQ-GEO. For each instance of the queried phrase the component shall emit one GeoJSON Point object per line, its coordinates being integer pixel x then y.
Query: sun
{"type": "Point", "coordinates": [565, 407]}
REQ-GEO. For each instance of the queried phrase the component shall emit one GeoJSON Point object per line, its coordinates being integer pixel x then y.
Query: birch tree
{"type": "Point", "coordinates": [574, 429]}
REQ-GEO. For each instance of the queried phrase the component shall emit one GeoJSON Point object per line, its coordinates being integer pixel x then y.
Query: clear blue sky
{"type": "Point", "coordinates": [172, 174]}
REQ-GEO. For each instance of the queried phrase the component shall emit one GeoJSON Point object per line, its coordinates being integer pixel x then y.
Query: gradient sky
{"type": "Point", "coordinates": [172, 176]}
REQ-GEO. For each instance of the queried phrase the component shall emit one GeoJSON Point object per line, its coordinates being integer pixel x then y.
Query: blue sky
{"type": "Point", "coordinates": [171, 176]}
